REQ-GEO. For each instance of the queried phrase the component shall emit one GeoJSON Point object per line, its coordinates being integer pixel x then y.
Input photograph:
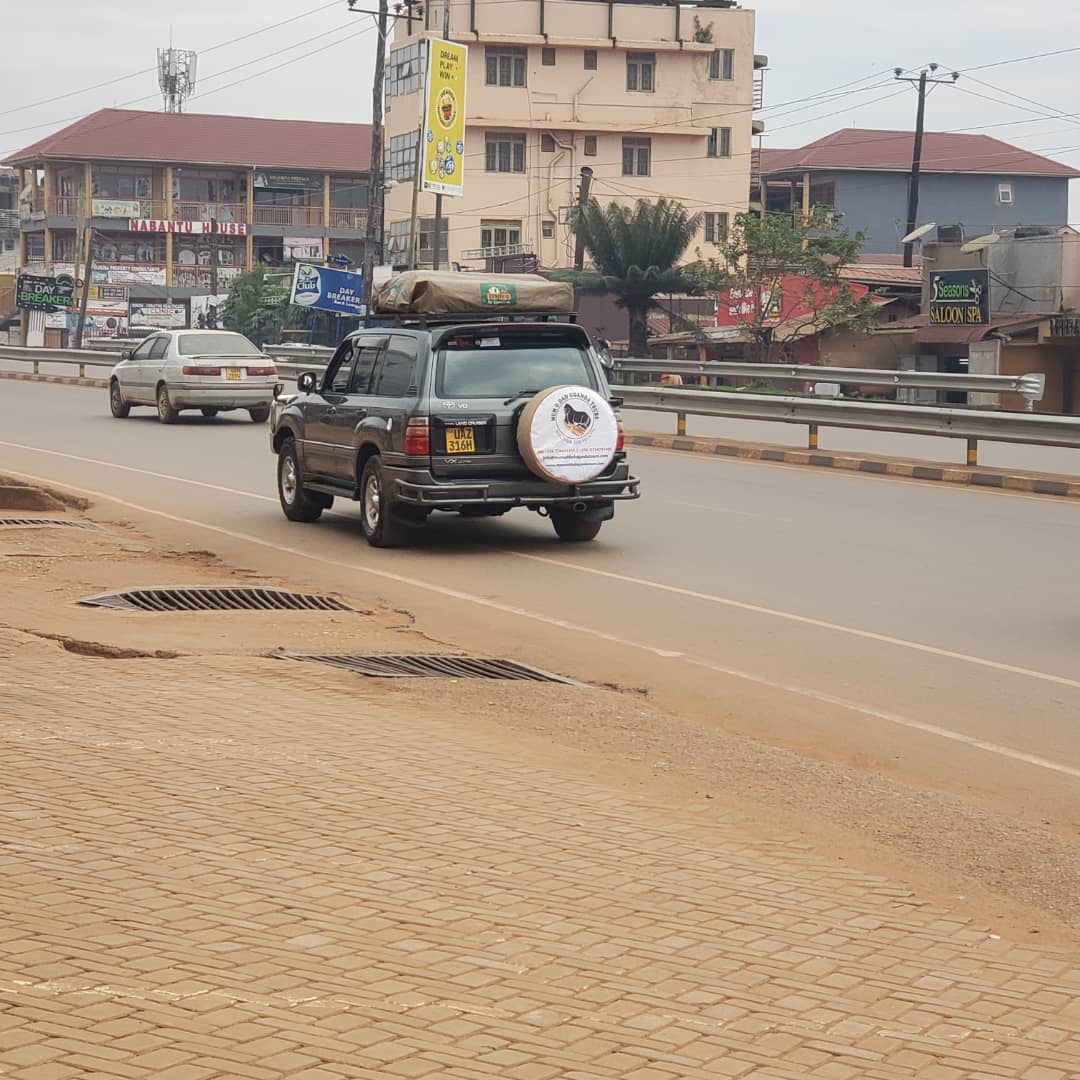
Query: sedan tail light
{"type": "Point", "coordinates": [200, 369]}
{"type": "Point", "coordinates": [262, 370]}
{"type": "Point", "coordinates": [418, 437]}
{"type": "Point", "coordinates": [620, 439]}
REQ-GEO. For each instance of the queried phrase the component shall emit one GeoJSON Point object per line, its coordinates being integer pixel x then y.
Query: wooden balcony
{"type": "Point", "coordinates": [288, 216]}
{"type": "Point", "coordinates": [347, 218]}
{"type": "Point", "coordinates": [209, 211]}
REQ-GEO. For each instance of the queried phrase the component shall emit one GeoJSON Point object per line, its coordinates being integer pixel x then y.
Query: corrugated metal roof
{"type": "Point", "coordinates": [876, 150]}
{"type": "Point", "coordinates": [205, 139]}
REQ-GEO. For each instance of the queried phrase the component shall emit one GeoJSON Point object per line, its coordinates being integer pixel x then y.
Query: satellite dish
{"type": "Point", "coordinates": [980, 242]}
{"type": "Point", "coordinates": [919, 233]}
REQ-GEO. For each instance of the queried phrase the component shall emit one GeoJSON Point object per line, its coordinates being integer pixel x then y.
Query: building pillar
{"type": "Point", "coordinates": [249, 253]}
{"type": "Point", "coordinates": [169, 211]}
{"type": "Point", "coordinates": [48, 248]}
{"type": "Point", "coordinates": [88, 191]}
{"type": "Point", "coordinates": [50, 182]}
{"type": "Point", "coordinates": [326, 202]}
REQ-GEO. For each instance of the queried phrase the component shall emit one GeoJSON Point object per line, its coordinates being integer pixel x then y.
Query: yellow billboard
{"type": "Point", "coordinates": [443, 157]}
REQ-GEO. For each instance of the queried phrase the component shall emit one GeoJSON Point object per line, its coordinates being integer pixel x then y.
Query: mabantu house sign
{"type": "Point", "coordinates": [960, 298]}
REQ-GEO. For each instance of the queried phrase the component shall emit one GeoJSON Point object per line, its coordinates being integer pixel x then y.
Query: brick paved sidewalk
{"type": "Point", "coordinates": [202, 876]}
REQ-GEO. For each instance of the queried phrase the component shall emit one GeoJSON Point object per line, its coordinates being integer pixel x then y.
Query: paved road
{"type": "Point", "coordinates": [924, 631]}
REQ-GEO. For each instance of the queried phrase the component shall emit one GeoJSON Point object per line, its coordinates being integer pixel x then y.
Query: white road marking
{"type": "Point", "coordinates": [726, 510]}
{"type": "Point", "coordinates": [806, 620]}
{"type": "Point", "coordinates": [509, 609]}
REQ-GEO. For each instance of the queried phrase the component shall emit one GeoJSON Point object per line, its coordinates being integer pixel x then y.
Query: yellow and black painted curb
{"type": "Point", "coordinates": [1034, 483]}
{"type": "Point", "coordinates": [63, 380]}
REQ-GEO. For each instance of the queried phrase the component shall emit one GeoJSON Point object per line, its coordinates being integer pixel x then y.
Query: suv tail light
{"type": "Point", "coordinates": [418, 437]}
{"type": "Point", "coordinates": [620, 439]}
{"type": "Point", "coordinates": [262, 370]}
{"type": "Point", "coordinates": [200, 369]}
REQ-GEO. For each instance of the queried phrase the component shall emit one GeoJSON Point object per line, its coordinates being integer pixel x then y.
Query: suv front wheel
{"type": "Point", "coordinates": [376, 510]}
{"type": "Point", "coordinates": [297, 504]}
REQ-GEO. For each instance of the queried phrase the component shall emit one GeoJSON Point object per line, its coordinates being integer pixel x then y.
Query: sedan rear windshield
{"type": "Point", "coordinates": [490, 365]}
{"type": "Point", "coordinates": [215, 345]}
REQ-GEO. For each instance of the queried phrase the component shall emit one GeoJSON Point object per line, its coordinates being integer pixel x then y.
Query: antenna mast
{"type": "Point", "coordinates": [176, 77]}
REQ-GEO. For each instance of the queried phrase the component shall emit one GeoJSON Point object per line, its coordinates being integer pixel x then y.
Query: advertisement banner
{"type": "Point", "coordinates": [115, 208]}
{"type": "Point", "coordinates": [959, 298]}
{"type": "Point", "coordinates": [443, 151]}
{"type": "Point", "coordinates": [303, 247]}
{"type": "Point", "coordinates": [327, 289]}
{"type": "Point", "coordinates": [206, 311]}
{"type": "Point", "coordinates": [158, 316]}
{"type": "Point", "coordinates": [127, 274]}
{"type": "Point", "coordinates": [36, 293]}
{"type": "Point", "coordinates": [104, 318]}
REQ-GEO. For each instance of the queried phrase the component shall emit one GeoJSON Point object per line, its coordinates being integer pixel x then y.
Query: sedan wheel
{"type": "Point", "coordinates": [166, 413]}
{"type": "Point", "coordinates": [116, 401]}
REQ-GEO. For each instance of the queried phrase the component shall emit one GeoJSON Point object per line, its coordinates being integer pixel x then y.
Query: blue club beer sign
{"type": "Point", "coordinates": [959, 298]}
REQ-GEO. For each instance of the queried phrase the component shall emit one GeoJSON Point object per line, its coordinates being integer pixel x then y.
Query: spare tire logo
{"type": "Point", "coordinates": [574, 423]}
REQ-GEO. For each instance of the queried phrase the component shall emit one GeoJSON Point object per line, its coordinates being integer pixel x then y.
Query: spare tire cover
{"type": "Point", "coordinates": [567, 434]}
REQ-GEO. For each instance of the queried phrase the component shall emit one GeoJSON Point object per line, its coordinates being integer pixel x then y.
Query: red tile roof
{"type": "Point", "coordinates": [890, 151]}
{"type": "Point", "coordinates": [204, 139]}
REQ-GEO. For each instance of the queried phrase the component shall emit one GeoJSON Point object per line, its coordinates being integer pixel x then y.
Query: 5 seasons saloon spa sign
{"type": "Point", "coordinates": [960, 298]}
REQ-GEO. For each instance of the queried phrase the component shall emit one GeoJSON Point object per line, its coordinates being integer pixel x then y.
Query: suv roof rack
{"type": "Point", "coordinates": [424, 321]}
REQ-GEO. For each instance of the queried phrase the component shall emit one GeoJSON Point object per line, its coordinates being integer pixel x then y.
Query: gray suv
{"type": "Point", "coordinates": [409, 420]}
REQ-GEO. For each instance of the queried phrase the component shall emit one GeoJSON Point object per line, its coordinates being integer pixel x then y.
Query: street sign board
{"type": "Point", "coordinates": [327, 289]}
{"type": "Point", "coordinates": [959, 298]}
{"type": "Point", "coordinates": [442, 153]}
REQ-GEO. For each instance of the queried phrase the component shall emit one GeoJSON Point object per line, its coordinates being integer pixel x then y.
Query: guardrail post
{"type": "Point", "coordinates": [973, 451]}
{"type": "Point", "coordinates": [812, 441]}
{"type": "Point", "coordinates": [82, 371]}
{"type": "Point", "coordinates": [37, 368]}
{"type": "Point", "coordinates": [680, 423]}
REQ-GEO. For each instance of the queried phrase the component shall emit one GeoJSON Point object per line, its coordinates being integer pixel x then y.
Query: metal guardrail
{"type": "Point", "coordinates": [974, 425]}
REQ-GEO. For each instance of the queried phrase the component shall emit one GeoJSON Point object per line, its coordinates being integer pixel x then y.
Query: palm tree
{"type": "Point", "coordinates": [635, 252]}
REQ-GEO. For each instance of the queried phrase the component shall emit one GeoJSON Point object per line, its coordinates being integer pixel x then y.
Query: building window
{"type": "Point", "coordinates": [400, 158]}
{"type": "Point", "coordinates": [1004, 194]}
{"type": "Point", "coordinates": [35, 247]}
{"type": "Point", "coordinates": [722, 64]}
{"type": "Point", "coordinates": [716, 228]}
{"type": "Point", "coordinates": [496, 234]}
{"type": "Point", "coordinates": [548, 230]}
{"type": "Point", "coordinates": [635, 156]}
{"type": "Point", "coordinates": [547, 143]}
{"type": "Point", "coordinates": [505, 153]}
{"type": "Point", "coordinates": [590, 59]}
{"type": "Point", "coordinates": [641, 72]}
{"type": "Point", "coordinates": [590, 146]}
{"type": "Point", "coordinates": [406, 73]}
{"type": "Point", "coordinates": [504, 66]}
{"type": "Point", "coordinates": [719, 142]}
{"type": "Point", "coordinates": [547, 57]}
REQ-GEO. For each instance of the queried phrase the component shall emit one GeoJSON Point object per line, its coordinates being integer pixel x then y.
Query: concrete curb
{"type": "Point", "coordinates": [972, 476]}
{"type": "Point", "coordinates": [63, 380]}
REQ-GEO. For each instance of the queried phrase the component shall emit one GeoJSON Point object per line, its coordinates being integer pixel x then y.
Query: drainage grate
{"type": "Point", "coordinates": [432, 667]}
{"type": "Point", "coordinates": [44, 523]}
{"type": "Point", "coordinates": [201, 599]}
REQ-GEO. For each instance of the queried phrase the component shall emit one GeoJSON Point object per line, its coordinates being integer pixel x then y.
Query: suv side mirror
{"type": "Point", "coordinates": [307, 382]}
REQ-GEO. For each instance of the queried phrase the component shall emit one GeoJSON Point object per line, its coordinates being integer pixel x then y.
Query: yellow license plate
{"type": "Point", "coordinates": [460, 440]}
{"type": "Point", "coordinates": [233, 374]}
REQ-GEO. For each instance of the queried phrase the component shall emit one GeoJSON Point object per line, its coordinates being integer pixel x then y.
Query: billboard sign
{"type": "Point", "coordinates": [327, 289]}
{"type": "Point", "coordinates": [443, 151]}
{"type": "Point", "coordinates": [158, 316]}
{"type": "Point", "coordinates": [115, 208]}
{"type": "Point", "coordinates": [959, 298]}
{"type": "Point", "coordinates": [34, 292]}
{"type": "Point", "coordinates": [302, 247]}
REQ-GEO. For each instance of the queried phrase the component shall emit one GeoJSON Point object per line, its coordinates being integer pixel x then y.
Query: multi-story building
{"type": "Point", "coordinates": [9, 222]}
{"type": "Point", "coordinates": [971, 184]}
{"type": "Point", "coordinates": [179, 204]}
{"type": "Point", "coordinates": [656, 98]}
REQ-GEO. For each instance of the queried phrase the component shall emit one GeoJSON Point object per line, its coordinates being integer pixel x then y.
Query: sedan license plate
{"type": "Point", "coordinates": [460, 440]}
{"type": "Point", "coordinates": [234, 374]}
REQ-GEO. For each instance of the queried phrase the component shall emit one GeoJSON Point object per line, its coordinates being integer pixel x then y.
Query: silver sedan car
{"type": "Point", "coordinates": [209, 370]}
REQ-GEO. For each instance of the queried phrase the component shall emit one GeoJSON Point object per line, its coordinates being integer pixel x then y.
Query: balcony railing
{"type": "Point", "coordinates": [209, 211]}
{"type": "Point", "coordinates": [348, 218]}
{"type": "Point", "coordinates": [286, 216]}
{"type": "Point", "coordinates": [65, 206]}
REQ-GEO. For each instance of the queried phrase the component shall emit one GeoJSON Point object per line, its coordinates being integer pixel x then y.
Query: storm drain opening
{"type": "Point", "coordinates": [215, 599]}
{"type": "Point", "coordinates": [430, 666]}
{"type": "Point", "coordinates": [44, 523]}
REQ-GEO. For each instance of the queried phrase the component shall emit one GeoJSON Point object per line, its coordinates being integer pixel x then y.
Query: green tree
{"type": "Point", "coordinates": [762, 256]}
{"type": "Point", "coordinates": [635, 252]}
{"type": "Point", "coordinates": [260, 309]}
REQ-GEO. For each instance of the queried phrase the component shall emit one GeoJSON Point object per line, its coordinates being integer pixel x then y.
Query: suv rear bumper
{"type": "Point", "coordinates": [418, 487]}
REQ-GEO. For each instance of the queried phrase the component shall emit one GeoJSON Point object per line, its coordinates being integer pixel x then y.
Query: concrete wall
{"type": "Point", "coordinates": [1020, 358]}
{"type": "Point", "coordinates": [569, 103]}
{"type": "Point", "coordinates": [877, 202]}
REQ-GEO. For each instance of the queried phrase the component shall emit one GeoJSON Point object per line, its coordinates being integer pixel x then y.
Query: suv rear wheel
{"type": "Point", "coordinates": [296, 503]}
{"type": "Point", "coordinates": [573, 527]}
{"type": "Point", "coordinates": [376, 510]}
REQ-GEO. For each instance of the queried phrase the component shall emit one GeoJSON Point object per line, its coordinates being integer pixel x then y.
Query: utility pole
{"type": "Point", "coordinates": [373, 245]}
{"type": "Point", "coordinates": [583, 198]}
{"type": "Point", "coordinates": [84, 296]}
{"type": "Point", "coordinates": [923, 83]}
{"type": "Point", "coordinates": [439, 198]}
{"type": "Point", "coordinates": [417, 174]}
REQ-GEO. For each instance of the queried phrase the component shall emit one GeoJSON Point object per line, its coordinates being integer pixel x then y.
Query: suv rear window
{"type": "Point", "coordinates": [498, 365]}
{"type": "Point", "coordinates": [215, 345]}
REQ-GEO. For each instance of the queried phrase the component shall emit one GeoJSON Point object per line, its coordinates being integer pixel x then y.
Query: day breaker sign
{"type": "Point", "coordinates": [443, 152]}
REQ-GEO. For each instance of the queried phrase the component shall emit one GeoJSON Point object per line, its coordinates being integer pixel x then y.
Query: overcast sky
{"type": "Point", "coordinates": [813, 48]}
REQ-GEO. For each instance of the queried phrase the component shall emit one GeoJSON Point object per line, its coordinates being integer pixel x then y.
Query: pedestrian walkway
{"type": "Point", "coordinates": [226, 867]}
